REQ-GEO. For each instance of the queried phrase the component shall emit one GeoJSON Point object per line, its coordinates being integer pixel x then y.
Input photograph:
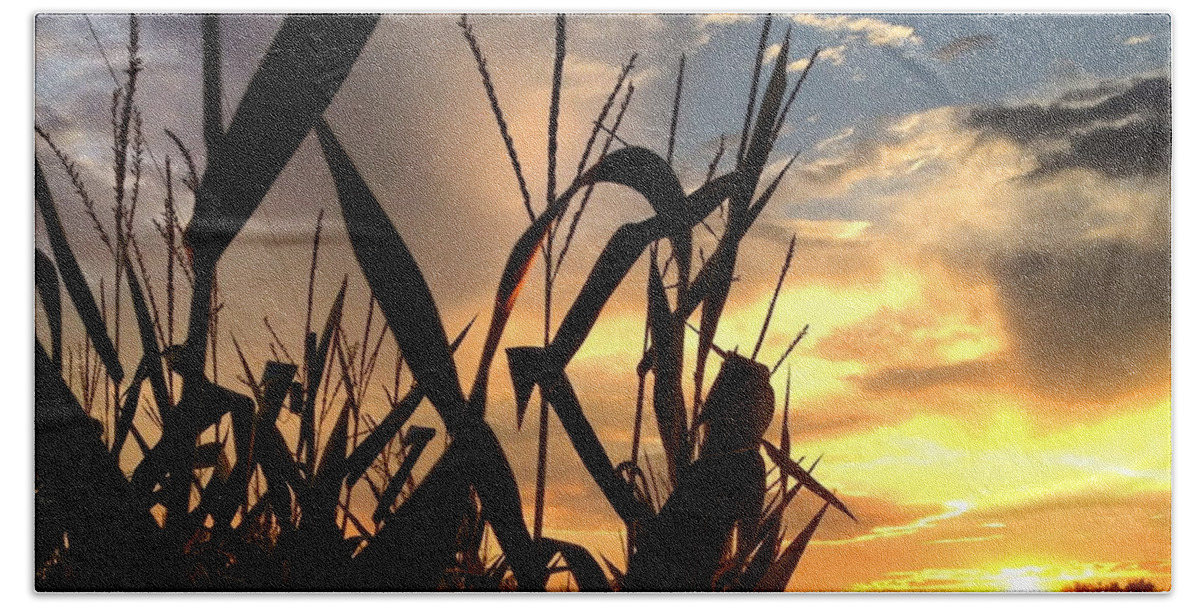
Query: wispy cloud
{"type": "Point", "coordinates": [875, 31]}
{"type": "Point", "coordinates": [955, 48]}
{"type": "Point", "coordinates": [835, 55]}
{"type": "Point", "coordinates": [954, 508]}
{"type": "Point", "coordinates": [726, 18]}
{"type": "Point", "coordinates": [1134, 40]}
{"type": "Point", "coordinates": [965, 539]}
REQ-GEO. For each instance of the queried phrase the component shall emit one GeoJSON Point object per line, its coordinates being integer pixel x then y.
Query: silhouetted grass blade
{"type": "Point", "coordinates": [408, 305]}
{"type": "Point", "coordinates": [395, 279]}
{"type": "Point", "coordinates": [72, 277]}
{"type": "Point", "coordinates": [365, 453]}
{"type": "Point", "coordinates": [785, 432]}
{"type": "Point", "coordinates": [361, 457]}
{"type": "Point", "coordinates": [583, 566]}
{"type": "Point", "coordinates": [583, 438]}
{"type": "Point", "coordinates": [756, 69]}
{"type": "Point", "coordinates": [786, 465]}
{"type": "Point", "coordinates": [328, 483]}
{"type": "Point", "coordinates": [762, 139]}
{"type": "Point", "coordinates": [416, 439]}
{"type": "Point", "coordinates": [769, 191]}
{"type": "Point", "coordinates": [778, 575]}
{"type": "Point", "coordinates": [151, 356]}
{"type": "Point", "coordinates": [46, 278]}
{"type": "Point", "coordinates": [315, 369]}
{"type": "Point", "coordinates": [668, 372]}
{"type": "Point", "coordinates": [762, 334]}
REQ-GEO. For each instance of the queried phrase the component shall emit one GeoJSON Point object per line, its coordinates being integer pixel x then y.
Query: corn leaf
{"type": "Point", "coordinates": [764, 554]}
{"type": "Point", "coordinates": [129, 408]}
{"type": "Point", "coordinates": [788, 467]}
{"type": "Point", "coordinates": [763, 137]}
{"type": "Point", "coordinates": [314, 372]}
{"type": "Point", "coordinates": [418, 541]}
{"type": "Point", "coordinates": [581, 564]}
{"type": "Point", "coordinates": [365, 453]}
{"type": "Point", "coordinates": [395, 279]}
{"type": "Point", "coordinates": [301, 72]}
{"type": "Point", "coordinates": [72, 277]}
{"type": "Point", "coordinates": [408, 305]}
{"type": "Point", "coordinates": [669, 408]}
{"type": "Point", "coordinates": [152, 359]}
{"type": "Point", "coordinates": [328, 483]}
{"type": "Point", "coordinates": [416, 439]}
{"type": "Point", "coordinates": [634, 167]}
{"type": "Point", "coordinates": [561, 395]}
{"type": "Point", "coordinates": [780, 572]}
{"type": "Point", "coordinates": [46, 278]}
{"type": "Point", "coordinates": [619, 255]}
{"type": "Point", "coordinates": [516, 270]}
{"type": "Point", "coordinates": [208, 454]}
{"type": "Point", "coordinates": [646, 172]}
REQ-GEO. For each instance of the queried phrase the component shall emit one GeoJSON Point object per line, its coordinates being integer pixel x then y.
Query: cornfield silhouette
{"type": "Point", "coordinates": [224, 500]}
{"type": "Point", "coordinates": [1137, 585]}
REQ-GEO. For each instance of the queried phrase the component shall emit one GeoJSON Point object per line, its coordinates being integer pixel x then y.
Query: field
{"type": "Point", "coordinates": [290, 321]}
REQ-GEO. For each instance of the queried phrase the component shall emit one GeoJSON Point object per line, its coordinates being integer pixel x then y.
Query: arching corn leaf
{"type": "Point", "coordinates": [562, 397]}
{"type": "Point", "coordinates": [581, 564]}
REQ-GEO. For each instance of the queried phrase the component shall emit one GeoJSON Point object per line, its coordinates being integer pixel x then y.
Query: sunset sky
{"type": "Point", "coordinates": [982, 206]}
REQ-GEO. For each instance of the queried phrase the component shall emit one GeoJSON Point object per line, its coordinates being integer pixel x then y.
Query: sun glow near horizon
{"type": "Point", "coordinates": [1016, 575]}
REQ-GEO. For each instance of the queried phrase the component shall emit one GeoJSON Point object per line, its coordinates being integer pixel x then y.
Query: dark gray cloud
{"type": "Point", "coordinates": [916, 378]}
{"type": "Point", "coordinates": [1126, 133]}
{"type": "Point", "coordinates": [965, 44]}
{"type": "Point", "coordinates": [1093, 321]}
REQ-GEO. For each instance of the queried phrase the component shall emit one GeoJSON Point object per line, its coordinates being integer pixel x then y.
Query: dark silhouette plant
{"type": "Point", "coordinates": [274, 517]}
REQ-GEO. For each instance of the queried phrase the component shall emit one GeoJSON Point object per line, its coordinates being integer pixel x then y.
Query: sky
{"type": "Point", "coordinates": [982, 212]}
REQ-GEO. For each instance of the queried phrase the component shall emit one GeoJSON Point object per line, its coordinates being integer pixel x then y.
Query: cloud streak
{"type": "Point", "coordinates": [1126, 134]}
{"type": "Point", "coordinates": [874, 31]}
